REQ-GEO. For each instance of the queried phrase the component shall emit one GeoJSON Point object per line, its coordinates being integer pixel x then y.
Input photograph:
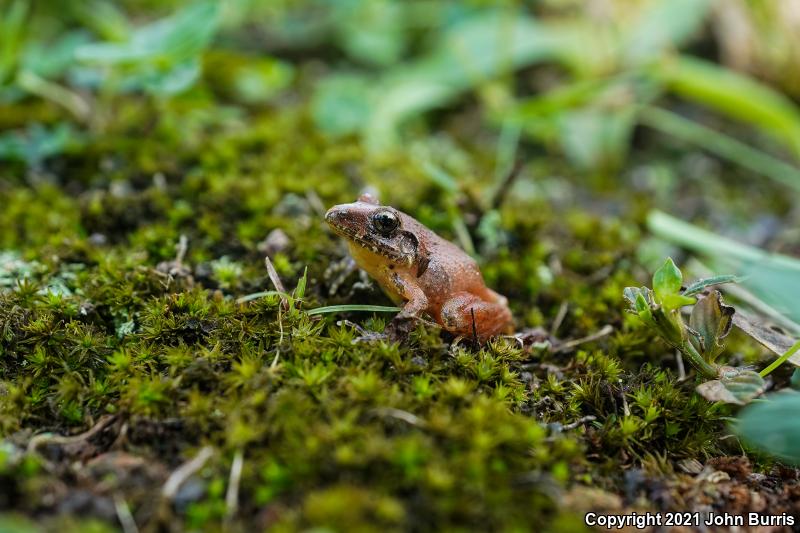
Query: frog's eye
{"type": "Point", "coordinates": [385, 221]}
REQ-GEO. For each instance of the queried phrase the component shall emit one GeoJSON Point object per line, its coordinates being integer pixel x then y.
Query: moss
{"type": "Point", "coordinates": [353, 436]}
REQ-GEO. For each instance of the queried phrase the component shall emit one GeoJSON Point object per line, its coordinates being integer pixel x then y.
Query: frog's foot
{"type": "Point", "coordinates": [400, 327]}
{"type": "Point", "coordinates": [395, 331]}
{"type": "Point", "coordinates": [533, 337]}
{"type": "Point", "coordinates": [469, 316]}
{"type": "Point", "coordinates": [398, 330]}
{"type": "Point", "coordinates": [364, 335]}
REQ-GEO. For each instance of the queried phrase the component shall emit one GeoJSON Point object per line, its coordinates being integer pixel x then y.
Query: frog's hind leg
{"type": "Point", "coordinates": [469, 316]}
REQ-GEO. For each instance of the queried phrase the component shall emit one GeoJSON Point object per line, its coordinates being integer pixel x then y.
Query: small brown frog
{"type": "Point", "coordinates": [420, 271]}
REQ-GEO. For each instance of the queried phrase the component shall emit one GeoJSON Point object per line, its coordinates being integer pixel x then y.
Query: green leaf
{"type": "Point", "coordinates": [643, 308]}
{"type": "Point", "coordinates": [163, 57]}
{"type": "Point", "coordinates": [721, 145]}
{"type": "Point", "coordinates": [676, 301]}
{"type": "Point", "coordinates": [102, 17]}
{"type": "Point", "coordinates": [300, 290]}
{"type": "Point", "coordinates": [736, 386]}
{"type": "Point", "coordinates": [440, 176]}
{"type": "Point", "coordinates": [372, 32]}
{"type": "Point", "coordinates": [352, 307]}
{"type": "Point", "coordinates": [174, 39]}
{"type": "Point", "coordinates": [734, 95]}
{"type": "Point", "coordinates": [12, 36]}
{"type": "Point", "coordinates": [662, 27]}
{"type": "Point", "coordinates": [472, 52]}
{"type": "Point", "coordinates": [701, 284]}
{"type": "Point", "coordinates": [39, 142]}
{"type": "Point", "coordinates": [594, 138]}
{"type": "Point", "coordinates": [342, 103]}
{"type": "Point", "coordinates": [50, 60]}
{"type": "Point", "coordinates": [795, 380]}
{"type": "Point", "coordinates": [552, 103]}
{"type": "Point", "coordinates": [638, 304]}
{"type": "Point", "coordinates": [771, 426]}
{"type": "Point", "coordinates": [641, 305]}
{"type": "Point", "coordinates": [712, 320]}
{"type": "Point", "coordinates": [667, 280]}
{"type": "Point", "coordinates": [631, 295]}
{"type": "Point", "coordinates": [260, 80]}
{"type": "Point", "coordinates": [173, 81]}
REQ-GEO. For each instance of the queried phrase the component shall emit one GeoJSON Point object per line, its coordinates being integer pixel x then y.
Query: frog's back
{"type": "Point", "coordinates": [450, 269]}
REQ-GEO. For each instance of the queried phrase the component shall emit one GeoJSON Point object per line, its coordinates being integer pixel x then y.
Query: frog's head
{"type": "Point", "coordinates": [378, 229]}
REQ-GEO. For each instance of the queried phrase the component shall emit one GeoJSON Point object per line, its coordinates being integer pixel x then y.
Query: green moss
{"type": "Point", "coordinates": [333, 432]}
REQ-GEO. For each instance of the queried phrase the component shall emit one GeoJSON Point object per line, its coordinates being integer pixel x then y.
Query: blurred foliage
{"type": "Point", "coordinates": [772, 276]}
{"type": "Point", "coordinates": [768, 426]}
{"type": "Point", "coordinates": [762, 38]}
{"type": "Point", "coordinates": [400, 60]}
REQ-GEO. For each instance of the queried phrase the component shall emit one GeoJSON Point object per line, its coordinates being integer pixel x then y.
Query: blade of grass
{"type": "Point", "coordinates": [707, 242]}
{"type": "Point", "coordinates": [300, 290]}
{"type": "Point", "coordinates": [721, 145]}
{"type": "Point", "coordinates": [736, 95]}
{"type": "Point", "coordinates": [352, 307]}
{"type": "Point", "coordinates": [506, 151]}
{"type": "Point", "coordinates": [450, 185]}
{"type": "Point", "coordinates": [441, 178]}
{"type": "Point", "coordinates": [780, 360]}
{"type": "Point", "coordinates": [12, 36]}
{"type": "Point", "coordinates": [55, 93]}
{"type": "Point", "coordinates": [261, 294]}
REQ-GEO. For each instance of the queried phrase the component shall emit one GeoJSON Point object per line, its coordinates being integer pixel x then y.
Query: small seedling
{"type": "Point", "coordinates": [701, 341]}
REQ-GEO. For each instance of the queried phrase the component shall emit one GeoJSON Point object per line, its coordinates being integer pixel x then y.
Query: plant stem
{"type": "Point", "coordinates": [780, 360]}
{"type": "Point", "coordinates": [701, 365]}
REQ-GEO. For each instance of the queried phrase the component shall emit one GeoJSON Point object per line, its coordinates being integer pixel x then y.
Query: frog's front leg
{"type": "Point", "coordinates": [416, 303]}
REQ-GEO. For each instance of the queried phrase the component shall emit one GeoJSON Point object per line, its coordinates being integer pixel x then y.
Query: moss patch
{"type": "Point", "coordinates": [99, 319]}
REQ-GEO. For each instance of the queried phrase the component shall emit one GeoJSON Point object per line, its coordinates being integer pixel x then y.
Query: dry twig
{"type": "Point", "coordinates": [232, 495]}
{"type": "Point", "coordinates": [49, 438]}
{"type": "Point", "coordinates": [185, 471]}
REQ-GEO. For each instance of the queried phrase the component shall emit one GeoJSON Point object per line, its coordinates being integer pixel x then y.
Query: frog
{"type": "Point", "coordinates": [421, 272]}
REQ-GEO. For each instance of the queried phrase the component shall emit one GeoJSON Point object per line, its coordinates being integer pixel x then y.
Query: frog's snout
{"type": "Point", "coordinates": [334, 216]}
{"type": "Point", "coordinates": [338, 219]}
{"type": "Point", "coordinates": [348, 219]}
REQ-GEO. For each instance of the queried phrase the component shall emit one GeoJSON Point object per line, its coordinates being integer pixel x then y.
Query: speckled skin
{"type": "Point", "coordinates": [421, 271]}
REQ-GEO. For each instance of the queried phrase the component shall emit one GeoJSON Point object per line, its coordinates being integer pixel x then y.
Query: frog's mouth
{"type": "Point", "coordinates": [371, 244]}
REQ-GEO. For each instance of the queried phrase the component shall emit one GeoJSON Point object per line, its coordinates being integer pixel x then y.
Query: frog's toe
{"type": "Point", "coordinates": [400, 327]}
{"type": "Point", "coordinates": [366, 335]}
{"type": "Point", "coordinates": [373, 336]}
